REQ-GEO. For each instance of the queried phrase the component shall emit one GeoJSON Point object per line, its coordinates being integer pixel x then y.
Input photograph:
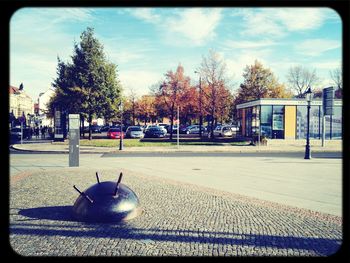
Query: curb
{"type": "Point", "coordinates": [174, 151]}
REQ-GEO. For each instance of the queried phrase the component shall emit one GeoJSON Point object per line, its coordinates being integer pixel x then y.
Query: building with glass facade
{"type": "Point", "coordinates": [287, 119]}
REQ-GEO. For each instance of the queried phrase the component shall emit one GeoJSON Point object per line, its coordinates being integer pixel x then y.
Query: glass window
{"type": "Point", "coordinates": [266, 121]}
{"type": "Point", "coordinates": [337, 123]}
{"type": "Point", "coordinates": [315, 125]}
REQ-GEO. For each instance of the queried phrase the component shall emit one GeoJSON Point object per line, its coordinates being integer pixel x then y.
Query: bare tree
{"type": "Point", "coordinates": [213, 70]}
{"type": "Point", "coordinates": [336, 76]}
{"type": "Point", "coordinates": [300, 78]}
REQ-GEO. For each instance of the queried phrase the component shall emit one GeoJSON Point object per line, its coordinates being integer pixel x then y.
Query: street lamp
{"type": "Point", "coordinates": [121, 126]}
{"type": "Point", "coordinates": [200, 105]}
{"type": "Point", "coordinates": [308, 96]}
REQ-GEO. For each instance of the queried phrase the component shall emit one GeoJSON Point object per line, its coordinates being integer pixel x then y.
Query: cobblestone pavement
{"type": "Point", "coordinates": [177, 220]}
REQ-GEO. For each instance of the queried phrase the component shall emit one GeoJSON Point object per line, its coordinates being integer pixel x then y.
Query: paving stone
{"type": "Point", "coordinates": [178, 220]}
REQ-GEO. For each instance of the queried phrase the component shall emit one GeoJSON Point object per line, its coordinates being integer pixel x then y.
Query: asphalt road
{"type": "Point", "coordinates": [286, 178]}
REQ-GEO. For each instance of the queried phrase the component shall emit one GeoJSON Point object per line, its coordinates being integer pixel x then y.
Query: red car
{"type": "Point", "coordinates": [114, 133]}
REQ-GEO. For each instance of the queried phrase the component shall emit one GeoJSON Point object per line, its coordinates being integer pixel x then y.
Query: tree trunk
{"type": "Point", "coordinates": [172, 123]}
{"type": "Point", "coordinates": [83, 121]}
{"type": "Point", "coordinates": [90, 134]}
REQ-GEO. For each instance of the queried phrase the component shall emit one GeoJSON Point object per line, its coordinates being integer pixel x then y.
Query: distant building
{"type": "Point", "coordinates": [42, 107]}
{"type": "Point", "coordinates": [287, 119]}
{"type": "Point", "coordinates": [20, 102]}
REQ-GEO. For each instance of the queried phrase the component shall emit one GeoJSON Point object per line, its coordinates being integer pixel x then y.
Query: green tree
{"type": "Point", "coordinates": [89, 85]}
{"type": "Point", "coordinates": [260, 82]}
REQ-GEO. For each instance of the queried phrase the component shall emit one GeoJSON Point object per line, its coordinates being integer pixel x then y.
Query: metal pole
{"type": "Point", "coordinates": [307, 147]}
{"type": "Point", "coordinates": [323, 130]}
{"type": "Point", "coordinates": [21, 132]}
{"type": "Point", "coordinates": [121, 128]}
{"type": "Point", "coordinates": [178, 127]}
{"type": "Point", "coordinates": [200, 107]}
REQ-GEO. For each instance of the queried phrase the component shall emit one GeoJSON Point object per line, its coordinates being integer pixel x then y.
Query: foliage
{"type": "Point", "coordinates": [172, 92]}
{"type": "Point", "coordinates": [89, 84]}
{"type": "Point", "coordinates": [260, 82]}
{"type": "Point", "coordinates": [217, 98]}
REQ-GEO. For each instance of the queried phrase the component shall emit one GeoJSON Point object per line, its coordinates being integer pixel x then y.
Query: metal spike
{"type": "Point", "coordinates": [98, 179]}
{"type": "Point", "coordinates": [83, 194]}
{"type": "Point", "coordinates": [117, 186]}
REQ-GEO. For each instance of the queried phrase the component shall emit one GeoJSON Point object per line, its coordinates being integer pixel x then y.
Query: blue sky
{"type": "Point", "coordinates": [147, 42]}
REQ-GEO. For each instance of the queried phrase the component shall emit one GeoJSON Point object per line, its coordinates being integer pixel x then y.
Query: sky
{"type": "Point", "coordinates": [145, 43]}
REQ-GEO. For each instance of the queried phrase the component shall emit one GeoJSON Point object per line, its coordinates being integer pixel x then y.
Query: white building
{"type": "Point", "coordinates": [20, 102]}
{"type": "Point", "coordinates": [43, 100]}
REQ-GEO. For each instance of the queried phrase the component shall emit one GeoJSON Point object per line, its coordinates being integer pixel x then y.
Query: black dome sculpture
{"type": "Point", "coordinates": [106, 202]}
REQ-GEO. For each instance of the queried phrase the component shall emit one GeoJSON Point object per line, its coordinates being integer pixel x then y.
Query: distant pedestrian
{"type": "Point", "coordinates": [37, 132]}
{"type": "Point", "coordinates": [42, 133]}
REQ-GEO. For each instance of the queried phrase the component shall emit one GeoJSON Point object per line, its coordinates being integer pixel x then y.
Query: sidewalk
{"type": "Point", "coordinates": [273, 146]}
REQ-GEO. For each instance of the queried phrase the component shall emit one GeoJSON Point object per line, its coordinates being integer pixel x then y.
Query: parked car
{"type": "Point", "coordinates": [193, 129]}
{"type": "Point", "coordinates": [15, 133]}
{"type": "Point", "coordinates": [223, 131]}
{"type": "Point", "coordinates": [114, 133]}
{"type": "Point", "coordinates": [164, 125]}
{"type": "Point", "coordinates": [95, 128]}
{"type": "Point", "coordinates": [154, 132]}
{"type": "Point", "coordinates": [163, 128]}
{"type": "Point", "coordinates": [105, 128]}
{"type": "Point", "coordinates": [134, 132]}
{"type": "Point", "coordinates": [175, 127]}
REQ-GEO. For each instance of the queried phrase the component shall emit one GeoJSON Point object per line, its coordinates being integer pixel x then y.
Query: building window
{"type": "Point", "coordinates": [336, 122]}
{"type": "Point", "coordinates": [266, 121]}
{"type": "Point", "coordinates": [315, 124]}
{"type": "Point", "coordinates": [278, 122]}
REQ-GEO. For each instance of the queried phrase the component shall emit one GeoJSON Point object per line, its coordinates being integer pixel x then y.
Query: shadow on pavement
{"type": "Point", "coordinates": [126, 230]}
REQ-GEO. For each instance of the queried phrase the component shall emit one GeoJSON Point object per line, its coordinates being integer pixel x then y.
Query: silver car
{"type": "Point", "coordinates": [134, 132]}
{"type": "Point", "coordinates": [223, 131]}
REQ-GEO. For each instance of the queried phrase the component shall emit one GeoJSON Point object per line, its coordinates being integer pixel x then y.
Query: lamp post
{"type": "Point", "coordinates": [121, 126]}
{"type": "Point", "coordinates": [200, 105]}
{"type": "Point", "coordinates": [308, 94]}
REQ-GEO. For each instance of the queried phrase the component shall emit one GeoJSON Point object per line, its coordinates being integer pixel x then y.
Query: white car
{"type": "Point", "coordinates": [134, 132]}
{"type": "Point", "coordinates": [223, 131]}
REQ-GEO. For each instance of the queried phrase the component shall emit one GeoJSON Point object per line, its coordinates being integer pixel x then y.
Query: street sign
{"type": "Point", "coordinates": [74, 136]}
{"type": "Point", "coordinates": [327, 102]}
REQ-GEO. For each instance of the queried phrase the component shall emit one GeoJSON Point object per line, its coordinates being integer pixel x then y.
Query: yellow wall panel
{"type": "Point", "coordinates": [290, 122]}
{"type": "Point", "coordinates": [243, 122]}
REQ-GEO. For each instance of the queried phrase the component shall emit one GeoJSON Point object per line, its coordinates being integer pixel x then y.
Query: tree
{"type": "Point", "coordinates": [300, 79]}
{"type": "Point", "coordinates": [337, 77]}
{"type": "Point", "coordinates": [213, 70]}
{"type": "Point", "coordinates": [145, 108]}
{"type": "Point", "coordinates": [89, 85]}
{"type": "Point", "coordinates": [260, 82]}
{"type": "Point", "coordinates": [171, 92]}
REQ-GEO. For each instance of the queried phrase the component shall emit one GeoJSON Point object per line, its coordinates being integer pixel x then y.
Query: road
{"type": "Point", "coordinates": [287, 178]}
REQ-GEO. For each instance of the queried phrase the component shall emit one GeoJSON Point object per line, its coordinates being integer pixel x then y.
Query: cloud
{"type": "Point", "coordinates": [145, 14]}
{"type": "Point", "coordinates": [315, 47]}
{"type": "Point", "coordinates": [140, 81]}
{"type": "Point", "coordinates": [179, 26]}
{"type": "Point", "coordinates": [245, 44]}
{"type": "Point", "coordinates": [194, 24]}
{"type": "Point", "coordinates": [277, 22]}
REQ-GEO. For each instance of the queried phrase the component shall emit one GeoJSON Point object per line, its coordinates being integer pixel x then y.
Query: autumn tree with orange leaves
{"type": "Point", "coordinates": [171, 93]}
{"type": "Point", "coordinates": [216, 99]}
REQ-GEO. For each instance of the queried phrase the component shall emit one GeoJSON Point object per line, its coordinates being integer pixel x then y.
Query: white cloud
{"type": "Point", "coordinates": [140, 81]}
{"type": "Point", "coordinates": [315, 47]}
{"type": "Point", "coordinates": [249, 44]}
{"type": "Point", "coordinates": [194, 24]}
{"type": "Point", "coordinates": [179, 26]}
{"type": "Point", "coordinates": [277, 22]}
{"type": "Point", "coordinates": [145, 14]}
